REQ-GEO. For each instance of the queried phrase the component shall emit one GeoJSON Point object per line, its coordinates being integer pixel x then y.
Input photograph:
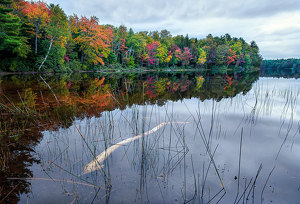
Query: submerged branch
{"type": "Point", "coordinates": [95, 164]}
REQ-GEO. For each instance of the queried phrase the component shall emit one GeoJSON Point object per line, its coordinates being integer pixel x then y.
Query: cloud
{"type": "Point", "coordinates": [264, 21]}
{"type": "Point", "coordinates": [139, 10]}
{"type": "Point", "coordinates": [266, 8]}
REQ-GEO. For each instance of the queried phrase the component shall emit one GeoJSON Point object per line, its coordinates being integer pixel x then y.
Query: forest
{"type": "Point", "coordinates": [282, 63]}
{"type": "Point", "coordinates": [39, 37]}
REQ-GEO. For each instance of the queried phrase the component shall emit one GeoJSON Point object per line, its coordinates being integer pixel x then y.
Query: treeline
{"type": "Point", "coordinates": [35, 36]}
{"type": "Point", "coordinates": [282, 64]}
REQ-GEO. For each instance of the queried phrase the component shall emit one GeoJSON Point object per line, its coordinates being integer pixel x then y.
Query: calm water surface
{"type": "Point", "coordinates": [223, 138]}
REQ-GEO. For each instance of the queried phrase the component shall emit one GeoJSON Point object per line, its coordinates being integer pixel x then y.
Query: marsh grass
{"type": "Point", "coordinates": [185, 159]}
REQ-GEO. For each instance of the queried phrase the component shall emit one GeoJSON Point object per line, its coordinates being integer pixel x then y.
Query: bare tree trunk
{"type": "Point", "coordinates": [51, 42]}
{"type": "Point", "coordinates": [82, 56]}
{"type": "Point", "coordinates": [36, 34]}
{"type": "Point", "coordinates": [122, 57]}
{"type": "Point", "coordinates": [1, 91]}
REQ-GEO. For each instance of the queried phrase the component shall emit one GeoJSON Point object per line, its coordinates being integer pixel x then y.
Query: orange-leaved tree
{"type": "Point", "coordinates": [39, 15]}
{"type": "Point", "coordinates": [94, 40]}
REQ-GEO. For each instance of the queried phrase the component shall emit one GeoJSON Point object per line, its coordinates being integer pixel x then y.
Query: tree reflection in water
{"type": "Point", "coordinates": [28, 107]}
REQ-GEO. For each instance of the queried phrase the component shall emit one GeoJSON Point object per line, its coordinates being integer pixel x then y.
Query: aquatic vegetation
{"type": "Point", "coordinates": [107, 128]}
{"type": "Point", "coordinates": [96, 163]}
{"type": "Point", "coordinates": [29, 98]}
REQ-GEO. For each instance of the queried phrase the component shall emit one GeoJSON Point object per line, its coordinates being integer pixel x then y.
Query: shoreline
{"type": "Point", "coordinates": [125, 70]}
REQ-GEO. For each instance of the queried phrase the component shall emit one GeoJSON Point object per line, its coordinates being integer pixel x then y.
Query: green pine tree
{"type": "Point", "coordinates": [12, 44]}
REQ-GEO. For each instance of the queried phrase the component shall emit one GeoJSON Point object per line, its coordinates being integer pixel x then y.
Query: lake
{"type": "Point", "coordinates": [151, 137]}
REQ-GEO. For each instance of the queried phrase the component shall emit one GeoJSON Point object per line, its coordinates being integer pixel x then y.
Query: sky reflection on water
{"type": "Point", "coordinates": [170, 165]}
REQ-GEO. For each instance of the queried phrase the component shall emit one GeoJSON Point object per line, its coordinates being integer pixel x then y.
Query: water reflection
{"type": "Point", "coordinates": [16, 156]}
{"type": "Point", "coordinates": [285, 72]}
{"type": "Point", "coordinates": [54, 126]}
{"type": "Point", "coordinates": [84, 91]}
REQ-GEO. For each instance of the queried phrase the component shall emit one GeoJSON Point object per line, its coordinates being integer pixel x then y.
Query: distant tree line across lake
{"type": "Point", "coordinates": [291, 63]}
{"type": "Point", "coordinates": [281, 68]}
{"type": "Point", "coordinates": [35, 36]}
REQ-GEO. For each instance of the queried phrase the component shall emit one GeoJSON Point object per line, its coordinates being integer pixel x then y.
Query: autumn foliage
{"type": "Point", "coordinates": [67, 43]}
{"type": "Point", "coordinates": [37, 11]}
{"type": "Point", "coordinates": [93, 39]}
{"type": "Point", "coordinates": [39, 15]}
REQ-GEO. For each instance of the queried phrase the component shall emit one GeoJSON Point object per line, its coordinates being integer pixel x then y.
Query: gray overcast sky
{"type": "Point", "coordinates": [273, 24]}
